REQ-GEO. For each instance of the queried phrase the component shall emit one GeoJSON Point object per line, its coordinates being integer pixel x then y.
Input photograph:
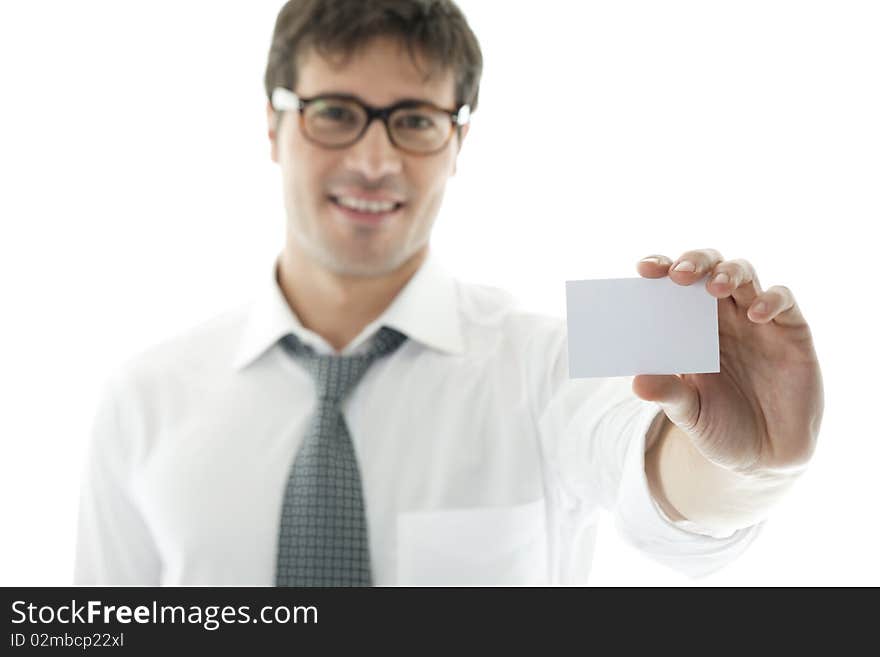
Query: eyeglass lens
{"type": "Point", "coordinates": [336, 122]}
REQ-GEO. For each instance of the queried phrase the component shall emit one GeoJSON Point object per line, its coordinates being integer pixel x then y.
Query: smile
{"type": "Point", "coordinates": [364, 206]}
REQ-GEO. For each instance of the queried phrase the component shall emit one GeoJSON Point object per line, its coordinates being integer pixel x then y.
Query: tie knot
{"type": "Point", "coordinates": [336, 375]}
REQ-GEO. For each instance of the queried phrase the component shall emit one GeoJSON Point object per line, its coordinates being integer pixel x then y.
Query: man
{"type": "Point", "coordinates": [371, 420]}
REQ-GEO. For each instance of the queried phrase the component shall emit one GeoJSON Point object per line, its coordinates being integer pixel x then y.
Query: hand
{"type": "Point", "coordinates": [763, 410]}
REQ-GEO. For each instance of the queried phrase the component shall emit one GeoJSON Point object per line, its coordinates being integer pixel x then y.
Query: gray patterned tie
{"type": "Point", "coordinates": [322, 540]}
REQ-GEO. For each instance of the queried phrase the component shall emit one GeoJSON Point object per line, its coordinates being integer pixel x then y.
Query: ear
{"type": "Point", "coordinates": [272, 124]}
{"type": "Point", "coordinates": [464, 131]}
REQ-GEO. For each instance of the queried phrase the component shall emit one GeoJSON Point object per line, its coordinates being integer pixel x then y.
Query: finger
{"type": "Point", "coordinates": [781, 307]}
{"type": "Point", "coordinates": [655, 266]}
{"type": "Point", "coordinates": [678, 399]}
{"type": "Point", "coordinates": [743, 284]}
{"type": "Point", "coordinates": [693, 265]}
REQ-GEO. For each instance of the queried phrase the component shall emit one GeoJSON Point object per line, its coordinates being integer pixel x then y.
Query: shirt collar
{"type": "Point", "coordinates": [425, 310]}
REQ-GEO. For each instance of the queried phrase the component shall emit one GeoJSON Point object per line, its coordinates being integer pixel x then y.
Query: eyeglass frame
{"type": "Point", "coordinates": [286, 100]}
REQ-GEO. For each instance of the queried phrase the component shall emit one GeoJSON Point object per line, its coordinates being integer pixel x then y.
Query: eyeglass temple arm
{"type": "Point", "coordinates": [285, 100]}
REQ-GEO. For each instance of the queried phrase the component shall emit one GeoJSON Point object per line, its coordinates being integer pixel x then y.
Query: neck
{"type": "Point", "coordinates": [337, 306]}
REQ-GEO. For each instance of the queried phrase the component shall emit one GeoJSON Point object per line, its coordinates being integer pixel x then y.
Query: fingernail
{"type": "Point", "coordinates": [653, 259]}
{"type": "Point", "coordinates": [761, 308]}
{"type": "Point", "coordinates": [685, 265]}
{"type": "Point", "coordinates": [722, 279]}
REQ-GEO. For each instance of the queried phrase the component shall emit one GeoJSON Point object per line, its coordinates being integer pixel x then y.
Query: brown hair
{"type": "Point", "coordinates": [435, 28]}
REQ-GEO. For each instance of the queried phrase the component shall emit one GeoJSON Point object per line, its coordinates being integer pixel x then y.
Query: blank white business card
{"type": "Point", "coordinates": [629, 326]}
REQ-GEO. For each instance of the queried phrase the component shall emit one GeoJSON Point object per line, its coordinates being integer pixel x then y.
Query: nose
{"type": "Point", "coordinates": [373, 155]}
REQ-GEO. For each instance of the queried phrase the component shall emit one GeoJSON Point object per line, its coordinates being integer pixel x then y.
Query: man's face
{"type": "Point", "coordinates": [314, 177]}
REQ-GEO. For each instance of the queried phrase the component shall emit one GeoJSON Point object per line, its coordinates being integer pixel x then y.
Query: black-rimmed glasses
{"type": "Point", "coordinates": [338, 121]}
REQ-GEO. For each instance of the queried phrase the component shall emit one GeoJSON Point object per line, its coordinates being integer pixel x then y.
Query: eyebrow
{"type": "Point", "coordinates": [402, 101]}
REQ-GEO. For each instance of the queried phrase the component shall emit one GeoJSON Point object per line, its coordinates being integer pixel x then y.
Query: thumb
{"type": "Point", "coordinates": [678, 399]}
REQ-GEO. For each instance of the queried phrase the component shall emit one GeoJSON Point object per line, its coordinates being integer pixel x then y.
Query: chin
{"type": "Point", "coordinates": [349, 256]}
{"type": "Point", "coordinates": [373, 265]}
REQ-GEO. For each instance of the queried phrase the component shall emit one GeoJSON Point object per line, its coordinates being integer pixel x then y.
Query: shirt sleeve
{"type": "Point", "coordinates": [113, 545]}
{"type": "Point", "coordinates": [594, 432]}
{"type": "Point", "coordinates": [683, 546]}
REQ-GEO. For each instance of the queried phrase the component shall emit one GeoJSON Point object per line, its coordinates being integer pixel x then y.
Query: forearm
{"type": "Point", "coordinates": [689, 487]}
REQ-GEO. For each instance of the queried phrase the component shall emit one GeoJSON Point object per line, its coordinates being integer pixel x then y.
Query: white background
{"type": "Point", "coordinates": [137, 198]}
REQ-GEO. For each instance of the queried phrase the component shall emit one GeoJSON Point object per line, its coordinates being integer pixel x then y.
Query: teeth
{"type": "Point", "coordinates": [366, 206]}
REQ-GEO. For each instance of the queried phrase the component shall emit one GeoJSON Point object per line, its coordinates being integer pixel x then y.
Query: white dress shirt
{"type": "Point", "coordinates": [481, 461]}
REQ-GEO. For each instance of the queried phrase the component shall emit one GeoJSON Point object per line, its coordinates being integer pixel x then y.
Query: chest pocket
{"type": "Point", "coordinates": [501, 546]}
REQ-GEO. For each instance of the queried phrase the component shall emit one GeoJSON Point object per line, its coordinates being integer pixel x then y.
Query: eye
{"type": "Point", "coordinates": [415, 121]}
{"type": "Point", "coordinates": [334, 113]}
{"type": "Point", "coordinates": [338, 113]}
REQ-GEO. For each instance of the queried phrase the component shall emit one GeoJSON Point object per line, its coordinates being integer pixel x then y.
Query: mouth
{"type": "Point", "coordinates": [363, 211]}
